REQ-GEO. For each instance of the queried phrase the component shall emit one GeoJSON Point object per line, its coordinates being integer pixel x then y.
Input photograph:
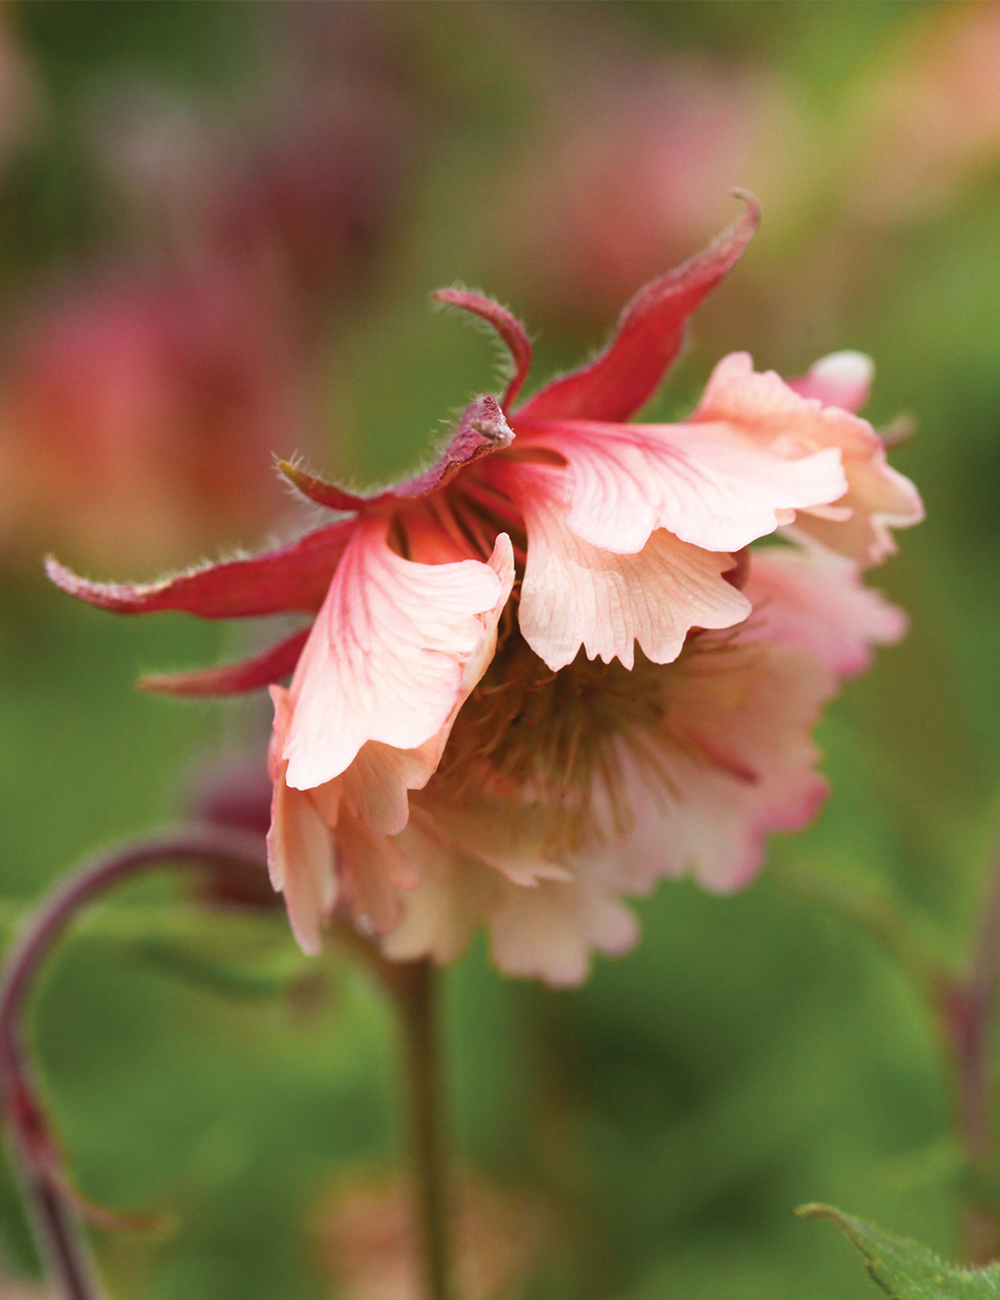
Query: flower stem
{"type": "Point", "coordinates": [414, 986]}
{"type": "Point", "coordinates": [968, 1012]}
{"type": "Point", "coordinates": [53, 1200]}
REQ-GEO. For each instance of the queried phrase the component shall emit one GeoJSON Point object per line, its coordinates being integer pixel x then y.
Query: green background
{"type": "Point", "coordinates": [754, 1052]}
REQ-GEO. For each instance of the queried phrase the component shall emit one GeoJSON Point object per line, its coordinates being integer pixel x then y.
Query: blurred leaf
{"type": "Point", "coordinates": [906, 1270]}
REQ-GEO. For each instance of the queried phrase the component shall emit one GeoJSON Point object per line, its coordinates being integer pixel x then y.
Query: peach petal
{"type": "Point", "coordinates": [574, 594]}
{"type": "Point", "coordinates": [746, 770]}
{"type": "Point", "coordinates": [547, 930]}
{"type": "Point", "coordinates": [841, 379]}
{"type": "Point", "coordinates": [813, 598]}
{"type": "Point", "coordinates": [387, 655]}
{"type": "Point", "coordinates": [770, 412]}
{"type": "Point", "coordinates": [299, 847]}
{"type": "Point", "coordinates": [707, 483]}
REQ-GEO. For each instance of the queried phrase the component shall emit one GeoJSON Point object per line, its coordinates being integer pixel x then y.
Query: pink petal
{"type": "Point", "coordinates": [879, 498]}
{"type": "Point", "coordinates": [743, 766]}
{"type": "Point", "coordinates": [708, 483]}
{"type": "Point", "coordinates": [482, 429]}
{"type": "Point", "coordinates": [232, 679]}
{"type": "Point", "coordinates": [550, 932]}
{"type": "Point", "coordinates": [767, 410]}
{"type": "Point", "coordinates": [455, 895]}
{"type": "Point", "coordinates": [547, 930]}
{"type": "Point", "coordinates": [375, 786]}
{"type": "Point", "coordinates": [299, 845]}
{"type": "Point", "coordinates": [647, 339]}
{"type": "Point", "coordinates": [841, 379]}
{"type": "Point", "coordinates": [372, 870]}
{"type": "Point", "coordinates": [815, 599]}
{"type": "Point", "coordinates": [509, 328]}
{"type": "Point", "coordinates": [575, 594]}
{"type": "Point", "coordinates": [294, 577]}
{"type": "Point", "coordinates": [387, 655]}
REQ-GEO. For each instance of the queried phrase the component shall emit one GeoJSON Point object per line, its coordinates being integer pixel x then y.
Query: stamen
{"type": "Point", "coordinates": [556, 741]}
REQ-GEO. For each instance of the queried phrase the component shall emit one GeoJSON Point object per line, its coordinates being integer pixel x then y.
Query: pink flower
{"type": "Point", "coordinates": [443, 672]}
{"type": "Point", "coordinates": [628, 170]}
{"type": "Point", "coordinates": [139, 415]}
{"type": "Point", "coordinates": [658, 773]}
{"type": "Point", "coordinates": [932, 116]}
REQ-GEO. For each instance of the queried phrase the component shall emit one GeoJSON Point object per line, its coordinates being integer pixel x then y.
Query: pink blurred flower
{"type": "Point", "coordinates": [141, 416]}
{"type": "Point", "coordinates": [932, 120]}
{"type": "Point", "coordinates": [368, 1237]}
{"type": "Point", "coordinates": [625, 541]}
{"type": "Point", "coordinates": [142, 401]}
{"type": "Point", "coordinates": [628, 173]}
{"type": "Point", "coordinates": [22, 1291]}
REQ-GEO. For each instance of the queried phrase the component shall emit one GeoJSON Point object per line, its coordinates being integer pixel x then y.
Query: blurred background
{"type": "Point", "coordinates": [219, 224]}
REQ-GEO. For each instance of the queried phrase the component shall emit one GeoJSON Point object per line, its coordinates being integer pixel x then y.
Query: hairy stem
{"type": "Point", "coordinates": [414, 987]}
{"type": "Point", "coordinates": [51, 1196]}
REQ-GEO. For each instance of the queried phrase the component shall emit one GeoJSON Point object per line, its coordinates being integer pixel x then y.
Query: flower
{"type": "Point", "coordinates": [526, 653]}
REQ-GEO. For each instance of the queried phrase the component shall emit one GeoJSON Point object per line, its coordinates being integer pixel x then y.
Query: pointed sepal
{"type": "Point", "coordinates": [647, 339]}
{"type": "Point", "coordinates": [508, 327]}
{"type": "Point", "coordinates": [231, 679]}
{"type": "Point", "coordinates": [293, 578]}
{"type": "Point", "coordinates": [481, 430]}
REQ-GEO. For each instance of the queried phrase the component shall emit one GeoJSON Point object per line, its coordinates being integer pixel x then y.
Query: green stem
{"type": "Point", "coordinates": [414, 986]}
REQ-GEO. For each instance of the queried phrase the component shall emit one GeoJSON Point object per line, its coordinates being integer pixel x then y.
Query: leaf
{"type": "Point", "coordinates": [906, 1270]}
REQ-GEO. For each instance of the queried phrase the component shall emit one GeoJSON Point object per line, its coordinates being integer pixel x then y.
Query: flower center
{"type": "Point", "coordinates": [548, 740]}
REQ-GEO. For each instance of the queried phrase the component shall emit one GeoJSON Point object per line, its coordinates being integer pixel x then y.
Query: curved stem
{"type": "Point", "coordinates": [69, 1260]}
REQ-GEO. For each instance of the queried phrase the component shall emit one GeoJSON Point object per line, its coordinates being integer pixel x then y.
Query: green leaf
{"type": "Point", "coordinates": [906, 1270]}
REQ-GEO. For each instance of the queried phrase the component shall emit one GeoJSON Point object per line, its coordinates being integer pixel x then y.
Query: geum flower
{"type": "Point", "coordinates": [521, 694]}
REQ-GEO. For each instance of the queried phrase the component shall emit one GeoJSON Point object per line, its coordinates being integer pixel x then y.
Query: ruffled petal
{"type": "Point", "coordinates": [455, 895]}
{"type": "Point", "coordinates": [574, 594]}
{"type": "Point", "coordinates": [387, 656]}
{"type": "Point", "coordinates": [647, 339]}
{"type": "Point", "coordinates": [292, 578]}
{"type": "Point", "coordinates": [739, 764]}
{"type": "Point", "coordinates": [547, 930]}
{"type": "Point", "coordinates": [815, 599]}
{"type": "Point", "coordinates": [878, 499]}
{"type": "Point", "coordinates": [766, 409]}
{"type": "Point", "coordinates": [372, 870]}
{"type": "Point", "coordinates": [841, 379]}
{"type": "Point", "coordinates": [299, 846]}
{"type": "Point", "coordinates": [707, 483]}
{"type": "Point", "coordinates": [550, 932]}
{"type": "Point", "coordinates": [232, 679]}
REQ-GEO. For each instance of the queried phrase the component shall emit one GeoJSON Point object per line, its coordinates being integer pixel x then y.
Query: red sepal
{"type": "Point", "coordinates": [482, 429]}
{"type": "Point", "coordinates": [509, 328]}
{"type": "Point", "coordinates": [647, 339]}
{"type": "Point", "coordinates": [292, 578]}
{"type": "Point", "coordinates": [232, 679]}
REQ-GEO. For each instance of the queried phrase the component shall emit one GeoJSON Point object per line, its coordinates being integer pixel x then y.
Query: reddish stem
{"type": "Point", "coordinates": [69, 1261]}
{"type": "Point", "coordinates": [968, 1011]}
